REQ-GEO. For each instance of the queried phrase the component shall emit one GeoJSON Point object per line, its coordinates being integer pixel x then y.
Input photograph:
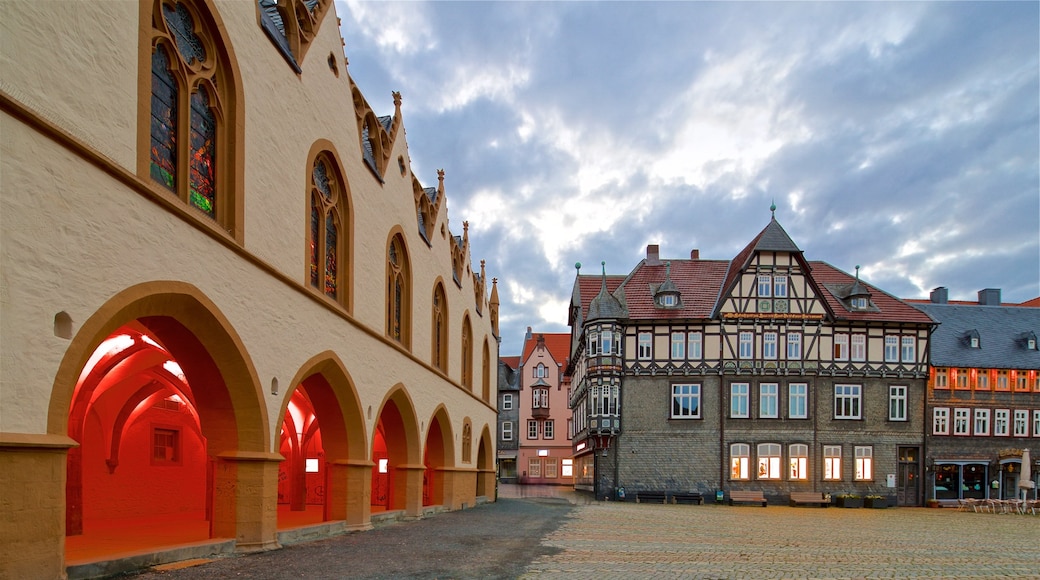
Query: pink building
{"type": "Point", "coordinates": [545, 446]}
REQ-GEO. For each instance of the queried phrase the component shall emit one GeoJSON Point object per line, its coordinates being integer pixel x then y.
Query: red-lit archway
{"type": "Point", "coordinates": [486, 465]}
{"type": "Point", "coordinates": [438, 455]}
{"type": "Point", "coordinates": [396, 470]}
{"type": "Point", "coordinates": [154, 446]}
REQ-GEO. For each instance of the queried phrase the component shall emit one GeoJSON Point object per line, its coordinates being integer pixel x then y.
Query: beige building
{"type": "Point", "coordinates": [229, 309]}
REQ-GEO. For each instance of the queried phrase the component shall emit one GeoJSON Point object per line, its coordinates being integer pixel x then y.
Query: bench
{"type": "Point", "coordinates": [650, 497]}
{"type": "Point", "coordinates": [808, 498]}
{"type": "Point", "coordinates": [688, 498]}
{"type": "Point", "coordinates": [747, 497]}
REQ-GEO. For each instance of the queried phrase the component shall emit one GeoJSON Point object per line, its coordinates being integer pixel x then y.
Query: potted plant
{"type": "Point", "coordinates": [875, 501]}
{"type": "Point", "coordinates": [932, 502]}
{"type": "Point", "coordinates": [850, 500]}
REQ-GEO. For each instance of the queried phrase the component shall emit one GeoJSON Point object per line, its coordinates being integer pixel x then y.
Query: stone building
{"type": "Point", "coordinates": [983, 398]}
{"type": "Point", "coordinates": [227, 302]}
{"type": "Point", "coordinates": [767, 372]}
{"type": "Point", "coordinates": [508, 417]}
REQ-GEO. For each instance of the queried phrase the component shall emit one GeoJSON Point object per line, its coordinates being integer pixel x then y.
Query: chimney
{"type": "Point", "coordinates": [653, 255]}
{"type": "Point", "coordinates": [695, 254]}
{"type": "Point", "coordinates": [528, 337]}
{"type": "Point", "coordinates": [989, 297]}
{"type": "Point", "coordinates": [940, 295]}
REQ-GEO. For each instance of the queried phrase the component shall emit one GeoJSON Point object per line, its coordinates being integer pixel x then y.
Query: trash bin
{"type": "Point", "coordinates": [720, 496]}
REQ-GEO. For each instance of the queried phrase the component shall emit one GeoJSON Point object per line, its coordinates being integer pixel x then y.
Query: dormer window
{"type": "Point", "coordinates": [1030, 340]}
{"type": "Point", "coordinates": [860, 303]}
{"type": "Point", "coordinates": [974, 340]}
{"type": "Point", "coordinates": [668, 300]}
{"type": "Point", "coordinates": [667, 294]}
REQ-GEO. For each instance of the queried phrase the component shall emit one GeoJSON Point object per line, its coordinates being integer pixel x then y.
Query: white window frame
{"type": "Point", "coordinates": [1020, 426]}
{"type": "Point", "coordinates": [593, 343]}
{"type": "Point", "coordinates": [507, 430]}
{"type": "Point", "coordinates": [532, 429]}
{"type": "Point", "coordinates": [769, 340]}
{"type": "Point", "coordinates": [746, 347]}
{"type": "Point", "coordinates": [695, 346]}
{"type": "Point", "coordinates": [548, 429]}
{"type": "Point", "coordinates": [941, 421]}
{"type": "Point", "coordinates": [645, 341]}
{"type": "Point", "coordinates": [539, 398]}
{"type": "Point", "coordinates": [507, 402]}
{"type": "Point", "coordinates": [606, 338]}
{"type": "Point", "coordinates": [841, 346]}
{"type": "Point", "coordinates": [798, 400]}
{"type": "Point", "coordinates": [769, 456]}
{"type": "Point", "coordinates": [794, 346]}
{"type": "Point", "coordinates": [891, 348]}
{"type": "Point", "coordinates": [765, 286]}
{"type": "Point", "coordinates": [798, 462]}
{"type": "Point", "coordinates": [686, 401]}
{"type": "Point", "coordinates": [848, 402]}
{"type": "Point", "coordinates": [832, 462]}
{"type": "Point", "coordinates": [942, 378]}
{"type": "Point", "coordinates": [541, 371]}
{"type": "Point", "coordinates": [980, 427]}
{"type": "Point", "coordinates": [897, 401]}
{"type": "Point", "coordinates": [739, 404]}
{"type": "Point", "coordinates": [864, 463]}
{"type": "Point", "coordinates": [768, 400]}
{"type": "Point", "coordinates": [739, 461]}
{"type": "Point", "coordinates": [1036, 423]}
{"type": "Point", "coordinates": [780, 286]}
{"type": "Point", "coordinates": [1002, 423]}
{"type": "Point", "coordinates": [961, 421]}
{"type": "Point", "coordinates": [858, 348]}
{"type": "Point", "coordinates": [678, 345]}
{"type": "Point", "coordinates": [908, 349]}
{"type": "Point", "coordinates": [982, 379]}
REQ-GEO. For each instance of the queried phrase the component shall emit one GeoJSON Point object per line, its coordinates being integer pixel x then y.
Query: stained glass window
{"type": "Point", "coordinates": [203, 152]}
{"type": "Point", "coordinates": [330, 255]}
{"type": "Point", "coordinates": [321, 180]}
{"type": "Point", "coordinates": [315, 220]}
{"type": "Point", "coordinates": [183, 27]}
{"type": "Point", "coordinates": [164, 121]}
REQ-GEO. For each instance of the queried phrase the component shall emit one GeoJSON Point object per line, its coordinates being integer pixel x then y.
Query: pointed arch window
{"type": "Point", "coordinates": [467, 353]}
{"type": "Point", "coordinates": [191, 110]}
{"type": "Point", "coordinates": [485, 374]}
{"type": "Point", "coordinates": [440, 328]}
{"type": "Point", "coordinates": [398, 290]}
{"type": "Point", "coordinates": [329, 235]}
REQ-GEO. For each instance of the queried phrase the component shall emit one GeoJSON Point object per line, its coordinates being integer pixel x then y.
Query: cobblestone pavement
{"type": "Point", "coordinates": [615, 540]}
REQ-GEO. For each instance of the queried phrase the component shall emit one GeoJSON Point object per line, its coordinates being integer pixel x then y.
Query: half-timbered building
{"type": "Point", "coordinates": [767, 372]}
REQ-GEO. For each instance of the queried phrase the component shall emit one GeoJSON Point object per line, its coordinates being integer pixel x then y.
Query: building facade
{"type": "Point", "coordinates": [227, 303]}
{"type": "Point", "coordinates": [983, 398]}
{"type": "Point", "coordinates": [508, 418]}
{"type": "Point", "coordinates": [544, 442]}
{"type": "Point", "coordinates": [767, 372]}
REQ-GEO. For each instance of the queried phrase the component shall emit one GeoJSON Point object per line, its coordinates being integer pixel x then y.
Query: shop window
{"type": "Point", "coordinates": [832, 462]}
{"type": "Point", "coordinates": [864, 463]}
{"type": "Point", "coordinates": [768, 461]}
{"type": "Point", "coordinates": [798, 462]}
{"type": "Point", "coordinates": [739, 461]}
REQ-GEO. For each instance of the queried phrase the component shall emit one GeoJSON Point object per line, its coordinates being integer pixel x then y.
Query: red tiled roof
{"type": "Point", "coordinates": [698, 282]}
{"type": "Point", "coordinates": [1034, 303]}
{"type": "Point", "coordinates": [889, 307]}
{"type": "Point", "coordinates": [557, 343]}
{"type": "Point", "coordinates": [510, 361]}
{"type": "Point", "coordinates": [589, 286]}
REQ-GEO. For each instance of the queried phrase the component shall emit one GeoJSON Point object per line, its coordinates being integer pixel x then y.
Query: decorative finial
{"type": "Point", "coordinates": [772, 209]}
{"type": "Point", "coordinates": [577, 266]}
{"type": "Point", "coordinates": [604, 265]}
{"type": "Point", "coordinates": [857, 272]}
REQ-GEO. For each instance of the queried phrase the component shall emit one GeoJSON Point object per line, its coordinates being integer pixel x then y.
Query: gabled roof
{"type": "Point", "coordinates": [889, 308]}
{"type": "Point", "coordinates": [697, 281]}
{"type": "Point", "coordinates": [1001, 336]}
{"type": "Point", "coordinates": [587, 287]}
{"type": "Point", "coordinates": [557, 343]}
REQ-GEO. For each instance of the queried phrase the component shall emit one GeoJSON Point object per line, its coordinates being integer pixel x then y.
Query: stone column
{"type": "Point", "coordinates": [246, 499]}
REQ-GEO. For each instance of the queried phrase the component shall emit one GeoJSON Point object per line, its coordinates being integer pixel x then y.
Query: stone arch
{"type": "Point", "coordinates": [486, 464]}
{"type": "Point", "coordinates": [438, 458]}
{"type": "Point", "coordinates": [397, 468]}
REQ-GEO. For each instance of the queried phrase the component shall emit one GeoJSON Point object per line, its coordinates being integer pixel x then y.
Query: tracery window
{"type": "Point", "coordinates": [440, 328]}
{"type": "Point", "coordinates": [398, 290]}
{"type": "Point", "coordinates": [328, 233]}
{"type": "Point", "coordinates": [467, 353]}
{"type": "Point", "coordinates": [190, 110]}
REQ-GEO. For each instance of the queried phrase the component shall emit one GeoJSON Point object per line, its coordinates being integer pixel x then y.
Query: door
{"type": "Point", "coordinates": [908, 481]}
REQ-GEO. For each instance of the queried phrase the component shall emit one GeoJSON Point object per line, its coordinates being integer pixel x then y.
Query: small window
{"type": "Point", "coordinates": [864, 463]}
{"type": "Point", "coordinates": [798, 462]}
{"type": "Point", "coordinates": [694, 346]}
{"type": "Point", "coordinates": [841, 347]}
{"type": "Point", "coordinates": [645, 343]}
{"type": "Point", "coordinates": [507, 402]}
{"type": "Point", "coordinates": [765, 285]}
{"type": "Point", "coordinates": [739, 461]}
{"type": "Point", "coordinates": [897, 403]}
{"type": "Point", "coordinates": [1021, 426]}
{"type": "Point", "coordinates": [780, 286]}
{"type": "Point", "coordinates": [981, 427]}
{"type": "Point", "coordinates": [797, 400]}
{"type": "Point", "coordinates": [686, 401]}
{"type": "Point", "coordinates": [769, 345]}
{"type": "Point", "coordinates": [847, 401]}
{"type": "Point", "coordinates": [941, 421]}
{"type": "Point", "coordinates": [794, 346]}
{"type": "Point", "coordinates": [832, 462]}
{"type": "Point", "coordinates": [859, 347]}
{"type": "Point", "coordinates": [891, 348]}
{"type": "Point", "coordinates": [738, 406]}
{"type": "Point", "coordinates": [961, 422]}
{"type": "Point", "coordinates": [1001, 422]}
{"type": "Point", "coordinates": [166, 446]}
{"type": "Point", "coordinates": [548, 429]}
{"type": "Point", "coordinates": [532, 429]}
{"type": "Point", "coordinates": [768, 397]}
{"type": "Point", "coordinates": [507, 431]}
{"type": "Point", "coordinates": [909, 350]}
{"type": "Point", "coordinates": [859, 303]}
{"type": "Point", "coordinates": [768, 461]}
{"type": "Point", "coordinates": [746, 345]}
{"type": "Point", "coordinates": [678, 345]}
{"type": "Point", "coordinates": [668, 300]}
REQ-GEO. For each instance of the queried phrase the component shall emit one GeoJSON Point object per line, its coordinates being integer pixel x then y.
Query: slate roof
{"type": "Point", "coordinates": [1000, 328]}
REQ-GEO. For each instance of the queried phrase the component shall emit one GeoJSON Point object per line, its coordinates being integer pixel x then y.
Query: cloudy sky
{"type": "Point", "coordinates": [903, 137]}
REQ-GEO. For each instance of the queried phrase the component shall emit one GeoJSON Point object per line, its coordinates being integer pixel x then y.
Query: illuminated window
{"type": "Point", "coordinates": [982, 380]}
{"type": "Point", "coordinates": [765, 285]}
{"type": "Point", "coordinates": [686, 401]}
{"type": "Point", "coordinates": [1021, 380]}
{"type": "Point", "coordinates": [645, 344]}
{"type": "Point", "coordinates": [847, 401]}
{"type": "Point", "coordinates": [859, 347]}
{"type": "Point", "coordinates": [768, 400]}
{"type": "Point", "coordinates": [166, 446]}
{"type": "Point", "coordinates": [567, 468]}
{"type": "Point", "coordinates": [798, 461]}
{"type": "Point", "coordinates": [1001, 420]}
{"type": "Point", "coordinates": [941, 421]}
{"type": "Point", "coordinates": [841, 347]}
{"type": "Point", "coordinates": [897, 403]}
{"type": "Point", "coordinates": [191, 110]}
{"type": "Point", "coordinates": [797, 401]}
{"type": "Point", "coordinates": [746, 347]}
{"type": "Point", "coordinates": [832, 462]}
{"type": "Point", "coordinates": [941, 379]}
{"type": "Point", "coordinates": [328, 236]}
{"type": "Point", "coordinates": [794, 346]}
{"type": "Point", "coordinates": [962, 379]}
{"type": "Point", "coordinates": [311, 465]}
{"type": "Point", "coordinates": [384, 465]}
{"type": "Point", "coordinates": [864, 463]}
{"type": "Point", "coordinates": [981, 427]}
{"type": "Point", "coordinates": [678, 346]}
{"type": "Point", "coordinates": [507, 430]}
{"type": "Point", "coordinates": [768, 461]}
{"type": "Point", "coordinates": [1003, 384]}
{"type": "Point", "coordinates": [398, 290]}
{"type": "Point", "coordinates": [532, 429]}
{"type": "Point", "coordinates": [769, 345]}
{"type": "Point", "coordinates": [891, 348]}
{"type": "Point", "coordinates": [739, 461]}
{"type": "Point", "coordinates": [961, 421]}
{"type": "Point", "coordinates": [694, 348]}
{"type": "Point", "coordinates": [1021, 425]}
{"type": "Point", "coordinates": [738, 403]}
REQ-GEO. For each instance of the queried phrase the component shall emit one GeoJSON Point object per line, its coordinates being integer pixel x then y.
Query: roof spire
{"type": "Point", "coordinates": [772, 209]}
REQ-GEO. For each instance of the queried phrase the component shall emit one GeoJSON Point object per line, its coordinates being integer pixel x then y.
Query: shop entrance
{"type": "Point", "coordinates": [908, 487]}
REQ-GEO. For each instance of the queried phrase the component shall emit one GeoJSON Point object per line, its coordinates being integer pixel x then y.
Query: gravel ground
{"type": "Point", "coordinates": [495, 540]}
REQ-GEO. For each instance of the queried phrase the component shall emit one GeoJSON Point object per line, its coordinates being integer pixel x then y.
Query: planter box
{"type": "Point", "coordinates": [875, 503]}
{"type": "Point", "coordinates": [850, 502]}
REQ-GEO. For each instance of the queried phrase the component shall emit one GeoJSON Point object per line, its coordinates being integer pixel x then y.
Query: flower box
{"type": "Point", "coordinates": [850, 501]}
{"type": "Point", "coordinates": [875, 502]}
